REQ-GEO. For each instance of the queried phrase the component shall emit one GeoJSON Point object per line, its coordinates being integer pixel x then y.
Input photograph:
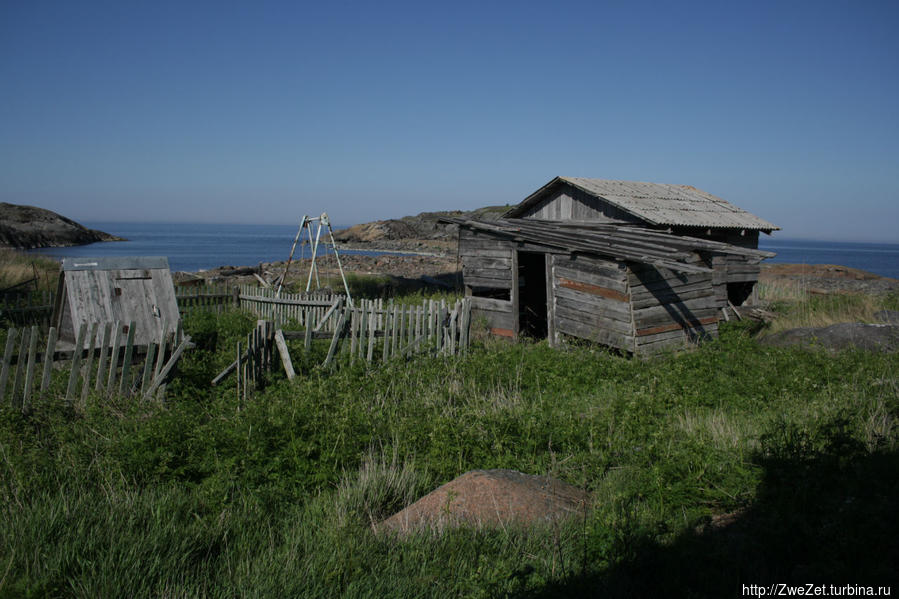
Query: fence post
{"type": "Point", "coordinates": [7, 358]}
{"type": "Point", "coordinates": [85, 387]}
{"type": "Point", "coordinates": [48, 359]}
{"type": "Point", "coordinates": [76, 361]}
{"type": "Point", "coordinates": [29, 371]}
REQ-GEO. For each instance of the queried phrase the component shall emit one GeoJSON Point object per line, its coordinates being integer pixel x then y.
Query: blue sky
{"type": "Point", "coordinates": [259, 112]}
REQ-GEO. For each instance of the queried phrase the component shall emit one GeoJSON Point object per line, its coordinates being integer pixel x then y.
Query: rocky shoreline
{"type": "Point", "coordinates": [28, 227]}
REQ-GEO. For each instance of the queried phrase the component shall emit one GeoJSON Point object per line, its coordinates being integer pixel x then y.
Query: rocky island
{"type": "Point", "coordinates": [28, 227]}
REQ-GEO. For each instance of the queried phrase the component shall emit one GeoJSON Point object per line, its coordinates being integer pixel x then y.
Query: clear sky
{"type": "Point", "coordinates": [258, 112]}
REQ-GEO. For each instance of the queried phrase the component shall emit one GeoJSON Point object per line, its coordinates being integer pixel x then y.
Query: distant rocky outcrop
{"type": "Point", "coordinates": [422, 231]}
{"type": "Point", "coordinates": [27, 227]}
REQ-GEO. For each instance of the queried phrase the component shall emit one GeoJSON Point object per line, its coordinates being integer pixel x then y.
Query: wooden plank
{"type": "Point", "coordinates": [48, 359]}
{"type": "Point", "coordinates": [92, 345]}
{"type": "Point", "coordinates": [604, 337]}
{"type": "Point", "coordinates": [281, 344]}
{"type": "Point", "coordinates": [176, 354]}
{"type": "Point", "coordinates": [550, 261]}
{"type": "Point", "coordinates": [372, 324]}
{"type": "Point", "coordinates": [647, 300]}
{"type": "Point", "coordinates": [101, 368]}
{"type": "Point", "coordinates": [500, 332]}
{"type": "Point", "coordinates": [617, 283]}
{"type": "Point", "coordinates": [338, 333]}
{"type": "Point", "coordinates": [334, 306]}
{"type": "Point", "coordinates": [76, 361]}
{"type": "Point", "coordinates": [596, 321]}
{"type": "Point", "coordinates": [126, 361]}
{"type": "Point", "coordinates": [649, 317]}
{"type": "Point", "coordinates": [490, 304]}
{"type": "Point", "coordinates": [7, 359]}
{"type": "Point", "coordinates": [592, 303]}
{"type": "Point", "coordinates": [115, 350]}
{"type": "Point", "coordinates": [24, 340]}
{"type": "Point", "coordinates": [515, 295]}
{"type": "Point", "coordinates": [593, 289]}
{"type": "Point", "coordinates": [147, 377]}
{"type": "Point", "coordinates": [29, 372]}
{"type": "Point", "coordinates": [675, 326]}
{"type": "Point", "coordinates": [588, 264]}
{"type": "Point", "coordinates": [484, 283]}
{"type": "Point", "coordinates": [160, 353]}
{"type": "Point", "coordinates": [466, 251]}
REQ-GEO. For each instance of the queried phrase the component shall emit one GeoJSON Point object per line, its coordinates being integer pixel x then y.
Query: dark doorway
{"type": "Point", "coordinates": [532, 294]}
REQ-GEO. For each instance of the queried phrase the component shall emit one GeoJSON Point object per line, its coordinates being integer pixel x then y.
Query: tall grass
{"type": "Point", "coordinates": [18, 267]}
{"type": "Point", "coordinates": [203, 496]}
{"type": "Point", "coordinates": [797, 306]}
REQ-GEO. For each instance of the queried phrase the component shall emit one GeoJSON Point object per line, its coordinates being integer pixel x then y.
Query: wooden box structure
{"type": "Point", "coordinates": [120, 289]}
{"type": "Point", "coordinates": [649, 269]}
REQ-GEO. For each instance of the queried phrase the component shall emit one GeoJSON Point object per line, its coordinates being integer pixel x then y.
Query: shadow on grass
{"type": "Point", "coordinates": [828, 519]}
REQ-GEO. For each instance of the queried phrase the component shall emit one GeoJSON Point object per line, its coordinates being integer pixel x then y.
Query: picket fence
{"type": "Point", "coordinates": [368, 331]}
{"type": "Point", "coordinates": [121, 368]}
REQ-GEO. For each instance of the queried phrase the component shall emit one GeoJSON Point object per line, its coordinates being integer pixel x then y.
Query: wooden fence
{"type": "Point", "coordinates": [369, 332]}
{"type": "Point", "coordinates": [103, 359]}
{"type": "Point", "coordinates": [37, 308]}
{"type": "Point", "coordinates": [29, 309]}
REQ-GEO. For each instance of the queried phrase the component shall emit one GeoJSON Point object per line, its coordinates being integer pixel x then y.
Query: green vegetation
{"type": "Point", "coordinates": [203, 496]}
{"type": "Point", "coordinates": [729, 464]}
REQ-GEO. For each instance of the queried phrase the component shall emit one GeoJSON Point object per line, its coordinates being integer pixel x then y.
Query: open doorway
{"type": "Point", "coordinates": [532, 294]}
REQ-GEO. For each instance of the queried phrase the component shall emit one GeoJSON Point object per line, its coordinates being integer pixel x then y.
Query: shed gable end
{"type": "Point", "coordinates": [565, 202]}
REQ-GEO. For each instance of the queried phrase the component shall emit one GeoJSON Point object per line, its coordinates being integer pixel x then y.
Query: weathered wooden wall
{"type": "Point", "coordinates": [631, 306]}
{"type": "Point", "coordinates": [487, 266]}
{"type": "Point", "coordinates": [671, 308]}
{"type": "Point", "coordinates": [145, 296]}
{"type": "Point", "coordinates": [566, 203]}
{"type": "Point", "coordinates": [590, 300]}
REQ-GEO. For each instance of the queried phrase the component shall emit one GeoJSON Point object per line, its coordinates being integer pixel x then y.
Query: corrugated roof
{"type": "Point", "coordinates": [660, 204]}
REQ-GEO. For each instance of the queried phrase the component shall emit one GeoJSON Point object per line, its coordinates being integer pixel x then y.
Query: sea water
{"type": "Point", "coordinates": [193, 247]}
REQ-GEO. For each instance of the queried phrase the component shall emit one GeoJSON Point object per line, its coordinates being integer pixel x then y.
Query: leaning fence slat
{"type": "Point", "coordinates": [126, 360]}
{"type": "Point", "coordinates": [338, 332]}
{"type": "Point", "coordinates": [29, 372]}
{"type": "Point", "coordinates": [285, 354]}
{"type": "Point", "coordinates": [372, 324]}
{"type": "Point", "coordinates": [20, 364]}
{"type": "Point", "coordinates": [48, 359]}
{"type": "Point", "coordinates": [7, 358]}
{"type": "Point", "coordinates": [101, 366]}
{"type": "Point", "coordinates": [160, 353]}
{"type": "Point", "coordinates": [160, 378]}
{"type": "Point", "coordinates": [76, 361]}
{"type": "Point", "coordinates": [88, 365]}
{"type": "Point", "coordinates": [114, 357]}
{"type": "Point", "coordinates": [148, 367]}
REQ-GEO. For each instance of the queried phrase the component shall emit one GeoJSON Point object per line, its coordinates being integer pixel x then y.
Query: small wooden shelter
{"type": "Point", "coordinates": [123, 289]}
{"type": "Point", "coordinates": [637, 266]}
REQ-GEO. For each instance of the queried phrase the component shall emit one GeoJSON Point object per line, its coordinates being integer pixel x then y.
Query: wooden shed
{"type": "Point", "coordinates": [126, 289]}
{"type": "Point", "coordinates": [567, 261]}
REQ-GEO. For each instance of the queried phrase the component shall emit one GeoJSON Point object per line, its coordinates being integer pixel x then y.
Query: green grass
{"type": "Point", "coordinates": [203, 496]}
